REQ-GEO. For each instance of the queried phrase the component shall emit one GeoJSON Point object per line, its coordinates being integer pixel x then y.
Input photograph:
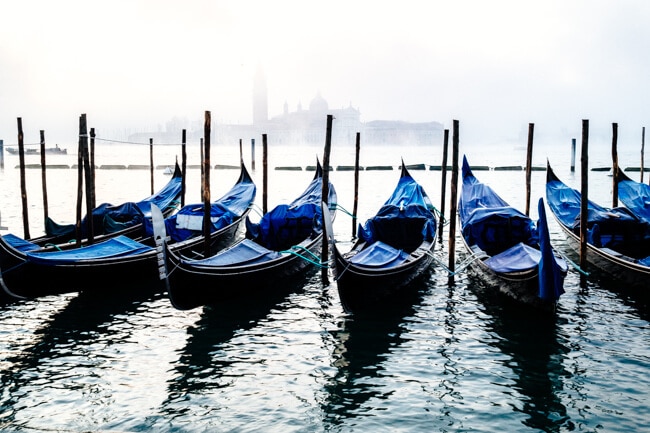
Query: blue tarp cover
{"type": "Point", "coordinates": [108, 218]}
{"type": "Point", "coordinates": [380, 255]}
{"type": "Point", "coordinates": [245, 252]}
{"type": "Point", "coordinates": [290, 224]}
{"type": "Point", "coordinates": [517, 258]}
{"type": "Point", "coordinates": [118, 246]}
{"type": "Point", "coordinates": [404, 221]}
{"type": "Point", "coordinates": [19, 243]}
{"type": "Point", "coordinates": [606, 227]}
{"type": "Point", "coordinates": [188, 222]}
{"type": "Point", "coordinates": [636, 197]}
{"type": "Point", "coordinates": [281, 228]}
{"type": "Point", "coordinates": [490, 222]}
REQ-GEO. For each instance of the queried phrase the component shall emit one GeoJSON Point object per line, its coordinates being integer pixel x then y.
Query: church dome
{"type": "Point", "coordinates": [318, 104]}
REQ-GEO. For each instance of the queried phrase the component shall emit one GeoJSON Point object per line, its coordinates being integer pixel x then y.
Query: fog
{"type": "Point", "coordinates": [134, 65]}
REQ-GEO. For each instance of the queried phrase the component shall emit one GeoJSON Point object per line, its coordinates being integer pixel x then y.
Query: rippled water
{"type": "Point", "coordinates": [453, 357]}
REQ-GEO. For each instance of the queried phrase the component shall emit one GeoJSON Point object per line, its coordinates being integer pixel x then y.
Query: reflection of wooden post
{"type": "Point", "coordinates": [445, 145]}
{"type": "Point", "coordinates": [529, 162]}
{"type": "Point", "coordinates": [44, 177]}
{"type": "Point", "coordinates": [584, 191]}
{"type": "Point", "coordinates": [325, 197]}
{"type": "Point", "coordinates": [207, 222]}
{"type": "Point", "coordinates": [23, 188]}
{"type": "Point", "coordinates": [614, 165]}
{"type": "Point", "coordinates": [151, 162]}
{"type": "Point", "coordinates": [265, 174]}
{"type": "Point", "coordinates": [356, 186]}
{"type": "Point", "coordinates": [452, 209]}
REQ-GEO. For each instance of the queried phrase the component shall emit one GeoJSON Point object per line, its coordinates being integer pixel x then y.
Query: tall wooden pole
{"type": "Point", "coordinates": [80, 169]}
{"type": "Point", "coordinates": [93, 198]}
{"type": "Point", "coordinates": [573, 155]}
{"type": "Point", "coordinates": [252, 154]}
{"type": "Point", "coordinates": [183, 165]}
{"type": "Point", "coordinates": [151, 162]}
{"type": "Point", "coordinates": [265, 174]}
{"type": "Point", "coordinates": [356, 185]}
{"type": "Point", "coordinates": [529, 162]}
{"type": "Point", "coordinates": [443, 189]}
{"type": "Point", "coordinates": [88, 180]}
{"type": "Point", "coordinates": [207, 223]}
{"type": "Point", "coordinates": [614, 164]}
{"type": "Point", "coordinates": [454, 195]}
{"type": "Point", "coordinates": [241, 151]}
{"type": "Point", "coordinates": [584, 191]}
{"type": "Point", "coordinates": [23, 187]}
{"type": "Point", "coordinates": [325, 197]}
{"type": "Point", "coordinates": [642, 151]}
{"type": "Point", "coordinates": [44, 177]}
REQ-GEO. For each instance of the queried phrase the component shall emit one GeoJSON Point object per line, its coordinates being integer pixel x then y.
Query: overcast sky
{"type": "Point", "coordinates": [493, 65]}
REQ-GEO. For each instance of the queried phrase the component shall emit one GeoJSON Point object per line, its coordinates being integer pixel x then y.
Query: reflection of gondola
{"type": "Point", "coordinates": [363, 343]}
{"type": "Point", "coordinates": [64, 346]}
{"type": "Point", "coordinates": [535, 354]}
{"type": "Point", "coordinates": [199, 367]}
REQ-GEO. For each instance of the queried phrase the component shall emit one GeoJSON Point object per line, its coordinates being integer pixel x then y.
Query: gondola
{"type": "Point", "coordinates": [617, 241]}
{"type": "Point", "coordinates": [393, 248]}
{"type": "Point", "coordinates": [506, 249]}
{"type": "Point", "coordinates": [112, 220]}
{"type": "Point", "coordinates": [121, 262]}
{"type": "Point", "coordinates": [281, 247]}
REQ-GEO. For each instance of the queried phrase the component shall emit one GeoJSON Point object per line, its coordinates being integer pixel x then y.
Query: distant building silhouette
{"type": "Point", "coordinates": [305, 126]}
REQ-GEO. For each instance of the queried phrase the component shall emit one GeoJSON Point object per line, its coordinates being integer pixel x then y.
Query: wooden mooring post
{"type": "Point", "coordinates": [151, 162]}
{"type": "Point", "coordinates": [356, 185]}
{"type": "Point", "coordinates": [529, 163]}
{"type": "Point", "coordinates": [253, 154]}
{"type": "Point", "coordinates": [183, 165]}
{"type": "Point", "coordinates": [443, 182]}
{"type": "Point", "coordinates": [325, 197]}
{"type": "Point", "coordinates": [207, 223]}
{"type": "Point", "coordinates": [452, 208]}
{"type": "Point", "coordinates": [265, 174]}
{"type": "Point", "coordinates": [44, 177]}
{"type": "Point", "coordinates": [573, 155]}
{"type": "Point", "coordinates": [642, 151]}
{"type": "Point", "coordinates": [23, 187]}
{"type": "Point", "coordinates": [93, 191]}
{"type": "Point", "coordinates": [584, 191]}
{"type": "Point", "coordinates": [614, 164]}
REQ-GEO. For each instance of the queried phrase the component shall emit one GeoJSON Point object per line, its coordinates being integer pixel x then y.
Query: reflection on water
{"type": "Point", "coordinates": [362, 344]}
{"type": "Point", "coordinates": [535, 353]}
{"type": "Point", "coordinates": [454, 358]}
{"type": "Point", "coordinates": [201, 365]}
{"type": "Point", "coordinates": [61, 356]}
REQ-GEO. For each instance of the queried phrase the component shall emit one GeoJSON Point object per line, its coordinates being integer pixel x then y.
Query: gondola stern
{"type": "Point", "coordinates": [550, 274]}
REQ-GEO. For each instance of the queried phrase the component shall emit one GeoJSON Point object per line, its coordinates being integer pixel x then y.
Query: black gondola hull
{"type": "Point", "coordinates": [362, 288]}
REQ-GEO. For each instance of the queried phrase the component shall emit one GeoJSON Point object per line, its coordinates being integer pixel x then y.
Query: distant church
{"type": "Point", "coordinates": [307, 125]}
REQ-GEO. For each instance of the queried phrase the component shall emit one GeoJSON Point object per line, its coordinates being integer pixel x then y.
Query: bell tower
{"type": "Point", "coordinates": [260, 98]}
